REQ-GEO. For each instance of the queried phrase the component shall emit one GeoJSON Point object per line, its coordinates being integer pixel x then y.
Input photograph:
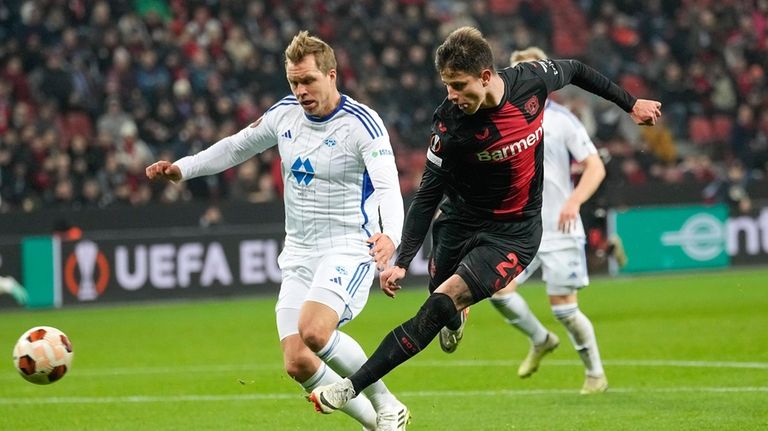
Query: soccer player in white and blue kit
{"type": "Point", "coordinates": [561, 253]}
{"type": "Point", "coordinates": [344, 217]}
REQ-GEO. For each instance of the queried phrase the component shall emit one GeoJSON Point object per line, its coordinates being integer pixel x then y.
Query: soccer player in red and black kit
{"type": "Point", "coordinates": [486, 156]}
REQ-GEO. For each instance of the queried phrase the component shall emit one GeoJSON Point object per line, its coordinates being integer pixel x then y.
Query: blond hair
{"type": "Point", "coordinates": [529, 54]}
{"type": "Point", "coordinates": [303, 45]}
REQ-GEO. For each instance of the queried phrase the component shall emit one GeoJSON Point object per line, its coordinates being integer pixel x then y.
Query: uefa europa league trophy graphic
{"type": "Point", "coordinates": [86, 252]}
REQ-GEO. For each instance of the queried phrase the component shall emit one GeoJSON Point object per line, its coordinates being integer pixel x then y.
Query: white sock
{"type": "Point", "coordinates": [359, 408]}
{"type": "Point", "coordinates": [517, 313]}
{"type": "Point", "coordinates": [582, 335]}
{"type": "Point", "coordinates": [346, 356]}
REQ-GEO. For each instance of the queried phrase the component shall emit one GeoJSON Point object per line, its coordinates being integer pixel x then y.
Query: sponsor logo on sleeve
{"type": "Point", "coordinates": [435, 147]}
{"type": "Point", "coordinates": [382, 152]}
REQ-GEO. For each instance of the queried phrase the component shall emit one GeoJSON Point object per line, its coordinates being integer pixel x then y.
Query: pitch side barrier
{"type": "Point", "coordinates": [124, 265]}
{"type": "Point", "coordinates": [149, 265]}
{"type": "Point", "coordinates": [664, 238]}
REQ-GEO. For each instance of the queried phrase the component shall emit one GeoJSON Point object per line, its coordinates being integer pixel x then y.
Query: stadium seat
{"type": "Point", "coordinates": [635, 84]}
{"type": "Point", "coordinates": [700, 130]}
{"type": "Point", "coordinates": [76, 123]}
{"type": "Point", "coordinates": [503, 7]}
{"type": "Point", "coordinates": [722, 125]}
{"type": "Point", "coordinates": [566, 16]}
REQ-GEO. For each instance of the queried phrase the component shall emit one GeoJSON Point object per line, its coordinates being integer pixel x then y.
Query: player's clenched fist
{"type": "Point", "coordinates": [646, 112]}
{"type": "Point", "coordinates": [163, 170]}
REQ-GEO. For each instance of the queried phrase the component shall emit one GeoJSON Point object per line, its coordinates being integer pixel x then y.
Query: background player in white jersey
{"type": "Point", "coordinates": [561, 253]}
{"type": "Point", "coordinates": [339, 173]}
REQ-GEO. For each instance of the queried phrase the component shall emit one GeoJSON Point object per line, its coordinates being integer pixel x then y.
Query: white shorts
{"type": "Point", "coordinates": [340, 281]}
{"type": "Point", "coordinates": [564, 271]}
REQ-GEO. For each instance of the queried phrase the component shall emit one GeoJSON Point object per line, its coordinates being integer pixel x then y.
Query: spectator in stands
{"type": "Point", "coordinates": [121, 62]}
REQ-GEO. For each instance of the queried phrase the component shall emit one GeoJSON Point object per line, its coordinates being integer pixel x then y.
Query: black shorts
{"type": "Point", "coordinates": [486, 254]}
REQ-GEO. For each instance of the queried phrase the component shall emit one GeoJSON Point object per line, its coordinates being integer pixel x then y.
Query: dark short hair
{"type": "Point", "coordinates": [464, 50]}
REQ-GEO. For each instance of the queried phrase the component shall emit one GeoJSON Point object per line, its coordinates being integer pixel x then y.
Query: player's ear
{"type": "Point", "coordinates": [485, 76]}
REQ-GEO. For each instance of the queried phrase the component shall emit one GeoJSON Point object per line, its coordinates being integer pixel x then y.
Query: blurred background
{"type": "Point", "coordinates": [91, 92]}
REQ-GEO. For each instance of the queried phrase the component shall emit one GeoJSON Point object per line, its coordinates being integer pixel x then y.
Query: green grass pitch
{"type": "Point", "coordinates": [682, 352]}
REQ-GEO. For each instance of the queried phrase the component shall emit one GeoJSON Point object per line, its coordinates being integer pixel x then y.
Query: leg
{"type": "Point", "coordinates": [317, 327]}
{"type": "Point", "coordinates": [401, 344]}
{"type": "Point", "coordinates": [568, 274]}
{"type": "Point", "coordinates": [582, 335]}
{"type": "Point", "coordinates": [485, 259]}
{"type": "Point", "coordinates": [514, 308]}
{"type": "Point", "coordinates": [330, 304]}
{"type": "Point", "coordinates": [415, 334]}
{"type": "Point", "coordinates": [306, 368]}
{"type": "Point", "coordinates": [517, 313]}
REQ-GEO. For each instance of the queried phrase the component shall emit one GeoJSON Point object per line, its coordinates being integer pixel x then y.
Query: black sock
{"type": "Point", "coordinates": [455, 322]}
{"type": "Point", "coordinates": [406, 340]}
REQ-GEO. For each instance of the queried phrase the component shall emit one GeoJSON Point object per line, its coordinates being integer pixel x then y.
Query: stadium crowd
{"type": "Point", "coordinates": [91, 92]}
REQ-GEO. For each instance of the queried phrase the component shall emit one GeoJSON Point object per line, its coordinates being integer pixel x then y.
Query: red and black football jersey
{"type": "Point", "coordinates": [490, 164]}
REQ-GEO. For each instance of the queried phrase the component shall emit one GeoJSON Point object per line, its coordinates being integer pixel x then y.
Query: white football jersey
{"type": "Point", "coordinates": [339, 173]}
{"type": "Point", "coordinates": [564, 139]}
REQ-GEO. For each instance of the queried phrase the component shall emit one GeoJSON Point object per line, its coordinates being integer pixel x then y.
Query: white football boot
{"type": "Point", "coordinates": [594, 385]}
{"type": "Point", "coordinates": [536, 353]}
{"type": "Point", "coordinates": [394, 417]}
{"type": "Point", "coordinates": [329, 398]}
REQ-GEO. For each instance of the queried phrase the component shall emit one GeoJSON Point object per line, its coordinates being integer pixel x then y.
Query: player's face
{"type": "Point", "coordinates": [466, 91]}
{"type": "Point", "coordinates": [315, 91]}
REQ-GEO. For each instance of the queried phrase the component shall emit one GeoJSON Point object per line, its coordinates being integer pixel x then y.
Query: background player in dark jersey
{"type": "Point", "coordinates": [486, 156]}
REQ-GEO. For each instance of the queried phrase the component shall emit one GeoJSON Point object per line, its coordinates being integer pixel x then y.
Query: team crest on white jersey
{"type": "Point", "coordinates": [303, 171]}
{"type": "Point", "coordinates": [330, 142]}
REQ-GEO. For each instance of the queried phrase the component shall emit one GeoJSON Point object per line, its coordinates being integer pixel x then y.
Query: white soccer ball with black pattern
{"type": "Point", "coordinates": [43, 355]}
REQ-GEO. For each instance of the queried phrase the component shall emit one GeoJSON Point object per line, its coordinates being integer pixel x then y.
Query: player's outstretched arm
{"type": "Point", "coordinates": [646, 112]}
{"type": "Point", "coordinates": [163, 170]}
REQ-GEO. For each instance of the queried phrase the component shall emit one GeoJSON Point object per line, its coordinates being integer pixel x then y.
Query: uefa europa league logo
{"type": "Point", "coordinates": [86, 252]}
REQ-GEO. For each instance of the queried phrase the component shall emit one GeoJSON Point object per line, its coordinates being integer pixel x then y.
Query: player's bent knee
{"type": "Point", "coordinates": [314, 338]}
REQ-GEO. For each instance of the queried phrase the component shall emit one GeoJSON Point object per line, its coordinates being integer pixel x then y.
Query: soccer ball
{"type": "Point", "coordinates": [43, 355]}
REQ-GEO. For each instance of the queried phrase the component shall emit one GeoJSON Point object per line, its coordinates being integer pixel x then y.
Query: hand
{"type": "Point", "coordinates": [163, 170]}
{"type": "Point", "coordinates": [568, 217]}
{"type": "Point", "coordinates": [646, 112]}
{"type": "Point", "coordinates": [389, 279]}
{"type": "Point", "coordinates": [382, 250]}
